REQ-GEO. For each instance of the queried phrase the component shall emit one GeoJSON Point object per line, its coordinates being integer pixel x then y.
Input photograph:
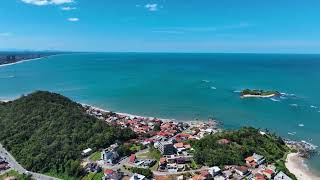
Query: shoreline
{"type": "Point", "coordinates": [258, 96]}
{"type": "Point", "coordinates": [18, 62]}
{"type": "Point", "coordinates": [295, 164]}
{"type": "Point", "coordinates": [148, 117]}
{"type": "Point", "coordinates": [26, 60]}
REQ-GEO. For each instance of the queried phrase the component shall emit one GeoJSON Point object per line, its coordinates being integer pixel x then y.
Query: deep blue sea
{"type": "Point", "coordinates": [184, 87]}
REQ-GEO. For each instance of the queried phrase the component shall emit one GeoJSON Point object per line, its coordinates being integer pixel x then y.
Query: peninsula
{"type": "Point", "coordinates": [258, 93]}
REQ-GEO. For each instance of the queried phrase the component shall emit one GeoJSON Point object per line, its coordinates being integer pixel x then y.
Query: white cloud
{"type": "Point", "coordinates": [73, 19]}
{"type": "Point", "coordinates": [61, 1]}
{"type": "Point", "coordinates": [47, 2]}
{"type": "Point", "coordinates": [151, 7]}
{"type": "Point", "coordinates": [68, 8]}
{"type": "Point", "coordinates": [5, 34]}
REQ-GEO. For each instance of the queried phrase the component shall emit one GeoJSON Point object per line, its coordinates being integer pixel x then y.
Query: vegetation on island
{"type": "Point", "coordinates": [256, 92]}
{"type": "Point", "coordinates": [47, 132]}
{"type": "Point", "coordinates": [241, 144]}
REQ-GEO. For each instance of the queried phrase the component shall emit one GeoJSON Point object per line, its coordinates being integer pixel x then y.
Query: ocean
{"type": "Point", "coordinates": [185, 87]}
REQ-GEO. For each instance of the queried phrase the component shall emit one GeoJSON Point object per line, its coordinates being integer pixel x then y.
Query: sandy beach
{"type": "Point", "coordinates": [18, 62]}
{"type": "Point", "coordinates": [296, 166]}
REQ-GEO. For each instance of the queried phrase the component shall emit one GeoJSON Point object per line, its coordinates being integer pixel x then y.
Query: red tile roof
{"type": "Point", "coordinates": [132, 158]}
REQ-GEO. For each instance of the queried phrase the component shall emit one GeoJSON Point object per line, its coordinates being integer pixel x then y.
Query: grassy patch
{"type": "Point", "coordinates": [193, 165]}
{"type": "Point", "coordinates": [151, 154]}
{"type": "Point", "coordinates": [136, 147]}
{"type": "Point", "coordinates": [60, 176]}
{"type": "Point", "coordinates": [95, 156]}
{"type": "Point", "coordinates": [98, 176]}
{"type": "Point", "coordinates": [14, 173]}
{"type": "Point", "coordinates": [89, 176]}
{"type": "Point", "coordinates": [93, 176]}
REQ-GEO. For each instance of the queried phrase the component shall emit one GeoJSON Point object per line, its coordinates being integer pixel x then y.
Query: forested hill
{"type": "Point", "coordinates": [46, 132]}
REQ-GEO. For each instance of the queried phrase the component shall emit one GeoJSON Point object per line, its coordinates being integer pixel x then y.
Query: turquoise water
{"type": "Point", "coordinates": [184, 87]}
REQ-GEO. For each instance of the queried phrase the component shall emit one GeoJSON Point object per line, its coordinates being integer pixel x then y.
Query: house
{"type": "Point", "coordinates": [282, 176]}
{"type": "Point", "coordinates": [215, 170]}
{"type": "Point", "coordinates": [86, 152]}
{"type": "Point", "coordinates": [137, 177]}
{"type": "Point", "coordinates": [132, 158]}
{"type": "Point", "coordinates": [162, 163]}
{"type": "Point", "coordinates": [109, 156]}
{"type": "Point", "coordinates": [166, 148]}
{"type": "Point", "coordinates": [254, 160]}
{"type": "Point", "coordinates": [112, 175]}
{"type": "Point", "coordinates": [268, 173]}
{"type": "Point", "coordinates": [242, 170]}
{"type": "Point", "coordinates": [205, 174]}
{"type": "Point", "coordinates": [149, 162]}
{"type": "Point", "coordinates": [198, 177]}
{"type": "Point", "coordinates": [259, 176]}
{"type": "Point", "coordinates": [258, 158]}
{"type": "Point", "coordinates": [172, 167]}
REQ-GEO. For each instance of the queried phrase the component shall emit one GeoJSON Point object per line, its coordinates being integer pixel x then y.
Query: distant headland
{"type": "Point", "coordinates": [246, 93]}
{"type": "Point", "coordinates": [15, 57]}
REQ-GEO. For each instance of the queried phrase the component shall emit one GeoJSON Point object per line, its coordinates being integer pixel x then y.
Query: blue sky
{"type": "Point", "coordinates": [249, 26]}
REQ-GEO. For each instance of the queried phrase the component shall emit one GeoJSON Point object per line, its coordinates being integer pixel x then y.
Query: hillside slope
{"type": "Point", "coordinates": [46, 132]}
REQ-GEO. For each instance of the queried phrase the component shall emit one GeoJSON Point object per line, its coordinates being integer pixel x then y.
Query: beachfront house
{"type": "Point", "coordinates": [282, 176]}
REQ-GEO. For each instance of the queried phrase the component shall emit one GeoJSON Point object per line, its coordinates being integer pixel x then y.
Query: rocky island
{"type": "Point", "coordinates": [258, 93]}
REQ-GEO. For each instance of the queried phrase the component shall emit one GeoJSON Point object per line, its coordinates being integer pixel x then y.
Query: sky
{"type": "Point", "coordinates": [223, 26]}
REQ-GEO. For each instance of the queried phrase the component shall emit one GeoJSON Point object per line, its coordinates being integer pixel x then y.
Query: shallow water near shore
{"type": "Point", "coordinates": [185, 87]}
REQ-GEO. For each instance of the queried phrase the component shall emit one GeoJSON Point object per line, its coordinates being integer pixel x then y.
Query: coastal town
{"type": "Point", "coordinates": [162, 151]}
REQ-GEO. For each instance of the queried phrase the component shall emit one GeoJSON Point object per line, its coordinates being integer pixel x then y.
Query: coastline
{"type": "Point", "coordinates": [145, 117]}
{"type": "Point", "coordinates": [26, 60]}
{"type": "Point", "coordinates": [295, 164]}
{"type": "Point", "coordinates": [18, 62]}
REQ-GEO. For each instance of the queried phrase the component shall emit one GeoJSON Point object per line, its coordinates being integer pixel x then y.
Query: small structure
{"type": "Point", "coordinates": [111, 174]}
{"type": "Point", "coordinates": [86, 152]}
{"type": "Point", "coordinates": [214, 171]}
{"type": "Point", "coordinates": [242, 170]}
{"type": "Point", "coordinates": [268, 173]}
{"type": "Point", "coordinates": [132, 158]}
{"type": "Point", "coordinates": [109, 157]}
{"type": "Point", "coordinates": [282, 176]}
{"type": "Point", "coordinates": [137, 177]}
{"type": "Point", "coordinates": [254, 160]}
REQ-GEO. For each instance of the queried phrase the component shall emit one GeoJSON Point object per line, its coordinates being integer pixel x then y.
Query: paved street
{"type": "Point", "coordinates": [16, 166]}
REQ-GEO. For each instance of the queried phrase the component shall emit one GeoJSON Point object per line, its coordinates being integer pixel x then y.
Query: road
{"type": "Point", "coordinates": [16, 166]}
{"type": "Point", "coordinates": [159, 173]}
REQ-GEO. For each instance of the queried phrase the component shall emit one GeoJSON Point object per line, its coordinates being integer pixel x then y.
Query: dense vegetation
{"type": "Point", "coordinates": [146, 172]}
{"type": "Point", "coordinates": [259, 92]}
{"type": "Point", "coordinates": [243, 143]}
{"type": "Point", "coordinates": [47, 132]}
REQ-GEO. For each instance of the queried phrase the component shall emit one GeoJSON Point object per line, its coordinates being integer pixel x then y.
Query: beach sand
{"type": "Point", "coordinates": [296, 166]}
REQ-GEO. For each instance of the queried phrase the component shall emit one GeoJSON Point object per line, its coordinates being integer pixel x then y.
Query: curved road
{"type": "Point", "coordinates": [16, 166]}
